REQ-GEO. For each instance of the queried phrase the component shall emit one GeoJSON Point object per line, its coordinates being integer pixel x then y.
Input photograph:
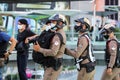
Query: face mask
{"type": "Point", "coordinates": [52, 25]}
{"type": "Point", "coordinates": [77, 28]}
{"type": "Point", "coordinates": [54, 28]}
{"type": "Point", "coordinates": [19, 26]}
{"type": "Point", "coordinates": [48, 27]}
{"type": "Point", "coordinates": [106, 36]}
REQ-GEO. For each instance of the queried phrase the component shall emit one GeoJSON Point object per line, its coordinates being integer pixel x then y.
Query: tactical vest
{"type": "Point", "coordinates": [44, 41]}
{"type": "Point", "coordinates": [89, 48]}
{"type": "Point", "coordinates": [107, 54]}
{"type": "Point", "coordinates": [90, 66]}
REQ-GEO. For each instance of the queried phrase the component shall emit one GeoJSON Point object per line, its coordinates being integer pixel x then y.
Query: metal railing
{"type": "Point", "coordinates": [74, 36]}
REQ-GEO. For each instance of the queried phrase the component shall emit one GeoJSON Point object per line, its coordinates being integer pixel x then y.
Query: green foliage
{"type": "Point", "coordinates": [72, 68]}
{"type": "Point", "coordinates": [1, 21]}
{"type": "Point", "coordinates": [69, 68]}
{"type": "Point", "coordinates": [117, 33]}
{"type": "Point", "coordinates": [117, 29]}
{"type": "Point", "coordinates": [11, 77]}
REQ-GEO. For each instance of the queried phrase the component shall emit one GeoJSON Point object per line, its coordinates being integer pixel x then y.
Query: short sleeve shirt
{"type": "Point", "coordinates": [4, 37]}
{"type": "Point", "coordinates": [23, 35]}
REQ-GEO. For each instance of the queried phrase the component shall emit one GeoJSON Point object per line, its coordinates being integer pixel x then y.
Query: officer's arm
{"type": "Point", "coordinates": [82, 44]}
{"type": "Point", "coordinates": [54, 47]}
{"type": "Point", "coordinates": [31, 35]}
{"type": "Point", "coordinates": [113, 52]}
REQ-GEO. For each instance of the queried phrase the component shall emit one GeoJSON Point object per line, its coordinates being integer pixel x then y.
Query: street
{"type": "Point", "coordinates": [72, 75]}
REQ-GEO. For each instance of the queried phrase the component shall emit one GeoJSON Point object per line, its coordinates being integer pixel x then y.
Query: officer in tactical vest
{"type": "Point", "coordinates": [83, 55]}
{"type": "Point", "coordinates": [4, 52]}
{"type": "Point", "coordinates": [112, 69]}
{"type": "Point", "coordinates": [56, 48]}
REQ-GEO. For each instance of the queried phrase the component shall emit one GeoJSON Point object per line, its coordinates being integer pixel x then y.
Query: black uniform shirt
{"type": "Point", "coordinates": [23, 35]}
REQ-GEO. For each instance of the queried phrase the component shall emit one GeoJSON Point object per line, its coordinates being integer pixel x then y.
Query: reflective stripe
{"type": "Point", "coordinates": [92, 58]}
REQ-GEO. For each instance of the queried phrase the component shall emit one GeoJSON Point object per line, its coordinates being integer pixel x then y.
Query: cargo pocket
{"type": "Point", "coordinates": [90, 67]}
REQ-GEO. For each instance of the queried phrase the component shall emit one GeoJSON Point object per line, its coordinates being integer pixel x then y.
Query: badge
{"type": "Point", "coordinates": [56, 43]}
{"type": "Point", "coordinates": [113, 48]}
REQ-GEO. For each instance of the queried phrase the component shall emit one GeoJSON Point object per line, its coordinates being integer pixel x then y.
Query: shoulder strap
{"type": "Point", "coordinates": [90, 52]}
{"type": "Point", "coordinates": [85, 57]}
{"type": "Point", "coordinates": [61, 38]}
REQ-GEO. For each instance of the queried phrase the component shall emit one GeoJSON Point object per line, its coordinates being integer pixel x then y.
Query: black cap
{"type": "Point", "coordinates": [48, 21]}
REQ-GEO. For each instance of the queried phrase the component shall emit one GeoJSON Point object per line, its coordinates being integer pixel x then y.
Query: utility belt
{"type": "Point", "coordinates": [90, 66]}
{"type": "Point", "coordinates": [55, 63]}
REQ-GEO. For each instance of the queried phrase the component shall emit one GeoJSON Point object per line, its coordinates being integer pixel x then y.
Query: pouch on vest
{"type": "Point", "coordinates": [90, 67]}
{"type": "Point", "coordinates": [54, 63]}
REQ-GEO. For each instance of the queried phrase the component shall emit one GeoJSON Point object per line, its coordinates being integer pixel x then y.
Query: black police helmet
{"type": "Point", "coordinates": [84, 21]}
{"type": "Point", "coordinates": [108, 28]}
{"type": "Point", "coordinates": [58, 17]}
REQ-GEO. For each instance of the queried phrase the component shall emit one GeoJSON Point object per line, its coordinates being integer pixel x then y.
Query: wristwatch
{"type": "Point", "coordinates": [9, 52]}
{"type": "Point", "coordinates": [109, 67]}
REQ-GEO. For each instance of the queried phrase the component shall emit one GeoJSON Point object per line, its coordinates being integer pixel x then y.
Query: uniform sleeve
{"type": "Point", "coordinates": [113, 52]}
{"type": "Point", "coordinates": [82, 45]}
{"type": "Point", "coordinates": [5, 37]}
{"type": "Point", "coordinates": [54, 47]}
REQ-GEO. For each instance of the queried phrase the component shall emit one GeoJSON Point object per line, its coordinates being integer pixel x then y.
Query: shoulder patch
{"type": "Point", "coordinates": [113, 48]}
{"type": "Point", "coordinates": [56, 43]}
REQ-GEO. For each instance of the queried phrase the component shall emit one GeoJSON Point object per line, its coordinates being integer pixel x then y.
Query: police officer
{"type": "Point", "coordinates": [83, 53]}
{"type": "Point", "coordinates": [56, 48]}
{"type": "Point", "coordinates": [22, 47]}
{"type": "Point", "coordinates": [112, 70]}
